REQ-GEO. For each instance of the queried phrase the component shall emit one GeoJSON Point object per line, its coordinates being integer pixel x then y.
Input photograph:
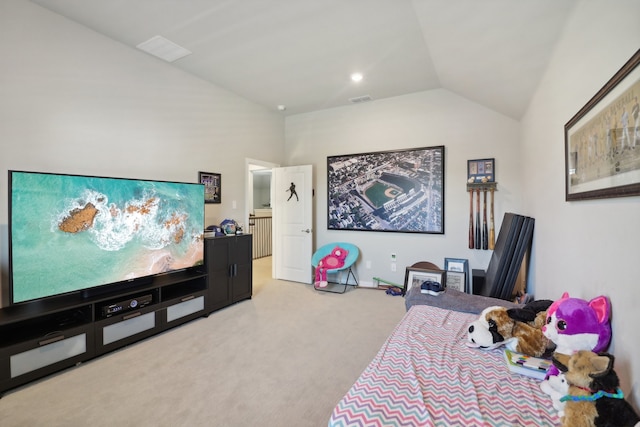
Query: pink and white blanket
{"type": "Point", "coordinates": [425, 375]}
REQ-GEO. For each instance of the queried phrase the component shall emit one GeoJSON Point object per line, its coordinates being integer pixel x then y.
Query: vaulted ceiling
{"type": "Point", "coordinates": [301, 53]}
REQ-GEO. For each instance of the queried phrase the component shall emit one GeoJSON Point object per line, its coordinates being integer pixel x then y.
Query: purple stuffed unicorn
{"type": "Point", "coordinates": [574, 324]}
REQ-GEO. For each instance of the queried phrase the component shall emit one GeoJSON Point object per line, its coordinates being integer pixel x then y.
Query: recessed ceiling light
{"type": "Point", "coordinates": [356, 77]}
{"type": "Point", "coordinates": [282, 107]}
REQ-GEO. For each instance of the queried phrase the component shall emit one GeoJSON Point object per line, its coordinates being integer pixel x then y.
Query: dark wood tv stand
{"type": "Point", "coordinates": [42, 337]}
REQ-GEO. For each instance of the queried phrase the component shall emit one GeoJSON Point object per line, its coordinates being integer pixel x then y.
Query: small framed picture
{"type": "Point", "coordinates": [456, 280]}
{"type": "Point", "coordinates": [212, 186]}
{"type": "Point", "coordinates": [481, 171]}
{"type": "Point", "coordinates": [460, 265]}
{"type": "Point", "coordinates": [417, 276]}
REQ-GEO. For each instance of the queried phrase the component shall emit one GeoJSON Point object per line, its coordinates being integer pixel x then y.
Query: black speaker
{"type": "Point", "coordinates": [478, 278]}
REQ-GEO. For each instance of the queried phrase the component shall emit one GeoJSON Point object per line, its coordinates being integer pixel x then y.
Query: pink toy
{"type": "Point", "coordinates": [332, 261]}
{"type": "Point", "coordinates": [574, 324]}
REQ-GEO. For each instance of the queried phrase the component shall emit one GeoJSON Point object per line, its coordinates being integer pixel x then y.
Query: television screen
{"type": "Point", "coordinates": [70, 233]}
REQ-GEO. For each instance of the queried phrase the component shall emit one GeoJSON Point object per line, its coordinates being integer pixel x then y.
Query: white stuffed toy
{"type": "Point", "coordinates": [556, 386]}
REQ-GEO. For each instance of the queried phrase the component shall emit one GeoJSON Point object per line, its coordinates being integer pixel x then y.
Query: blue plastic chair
{"type": "Point", "coordinates": [352, 255]}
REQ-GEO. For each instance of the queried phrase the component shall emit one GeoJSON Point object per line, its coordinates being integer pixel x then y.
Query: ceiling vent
{"type": "Point", "coordinates": [164, 49]}
{"type": "Point", "coordinates": [361, 99]}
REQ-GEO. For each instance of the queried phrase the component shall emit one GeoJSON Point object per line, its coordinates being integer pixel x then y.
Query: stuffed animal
{"type": "Point", "coordinates": [329, 262]}
{"type": "Point", "coordinates": [556, 387]}
{"type": "Point", "coordinates": [594, 397]}
{"type": "Point", "coordinates": [574, 324]}
{"type": "Point", "coordinates": [519, 329]}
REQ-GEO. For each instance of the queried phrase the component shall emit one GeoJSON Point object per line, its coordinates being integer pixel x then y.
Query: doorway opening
{"type": "Point", "coordinates": [258, 206]}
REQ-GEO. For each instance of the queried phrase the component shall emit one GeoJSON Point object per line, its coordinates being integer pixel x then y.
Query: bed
{"type": "Point", "coordinates": [425, 375]}
{"type": "Point", "coordinates": [455, 300]}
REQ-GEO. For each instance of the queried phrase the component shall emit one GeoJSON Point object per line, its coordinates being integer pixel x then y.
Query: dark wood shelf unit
{"type": "Point", "coordinates": [230, 266]}
{"type": "Point", "coordinates": [39, 326]}
{"type": "Point", "coordinates": [38, 338]}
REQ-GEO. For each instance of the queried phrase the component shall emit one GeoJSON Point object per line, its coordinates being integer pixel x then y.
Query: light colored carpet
{"type": "Point", "coordinates": [284, 358]}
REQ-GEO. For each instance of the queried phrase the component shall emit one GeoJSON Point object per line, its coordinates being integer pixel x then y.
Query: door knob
{"type": "Point", "coordinates": [306, 231]}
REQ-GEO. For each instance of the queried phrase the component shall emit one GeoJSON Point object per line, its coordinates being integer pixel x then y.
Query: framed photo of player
{"type": "Point", "coordinates": [393, 191]}
{"type": "Point", "coordinates": [212, 186]}
{"type": "Point", "coordinates": [602, 141]}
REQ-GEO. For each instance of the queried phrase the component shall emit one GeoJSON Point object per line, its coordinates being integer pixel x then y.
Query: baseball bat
{"type": "Point", "coordinates": [485, 233]}
{"type": "Point", "coordinates": [492, 230]}
{"type": "Point", "coordinates": [471, 244]}
{"type": "Point", "coordinates": [478, 238]}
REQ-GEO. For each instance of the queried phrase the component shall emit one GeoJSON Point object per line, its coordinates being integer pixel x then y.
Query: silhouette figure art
{"type": "Point", "coordinates": [292, 189]}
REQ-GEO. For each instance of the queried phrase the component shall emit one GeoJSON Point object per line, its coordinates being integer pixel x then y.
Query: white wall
{"type": "Point", "coordinates": [438, 117]}
{"type": "Point", "coordinates": [73, 101]}
{"type": "Point", "coordinates": [587, 248]}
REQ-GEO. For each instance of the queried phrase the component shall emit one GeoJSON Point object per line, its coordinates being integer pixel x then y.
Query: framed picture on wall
{"type": "Point", "coordinates": [397, 191]}
{"type": "Point", "coordinates": [602, 141]}
{"type": "Point", "coordinates": [481, 171]}
{"type": "Point", "coordinates": [212, 186]}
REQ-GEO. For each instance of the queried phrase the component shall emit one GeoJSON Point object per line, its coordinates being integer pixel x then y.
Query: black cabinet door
{"type": "Point", "coordinates": [241, 249]}
{"type": "Point", "coordinates": [217, 253]}
{"type": "Point", "coordinates": [219, 289]}
{"type": "Point", "coordinates": [217, 259]}
{"type": "Point", "coordinates": [242, 259]}
{"type": "Point", "coordinates": [242, 283]}
{"type": "Point", "coordinates": [229, 265]}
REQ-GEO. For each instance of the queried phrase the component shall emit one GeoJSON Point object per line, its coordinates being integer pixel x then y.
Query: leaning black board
{"type": "Point", "coordinates": [522, 245]}
{"type": "Point", "coordinates": [502, 254]}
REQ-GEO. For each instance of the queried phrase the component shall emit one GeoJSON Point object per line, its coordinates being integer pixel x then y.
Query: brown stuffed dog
{"type": "Point", "coordinates": [519, 329]}
{"type": "Point", "coordinates": [594, 398]}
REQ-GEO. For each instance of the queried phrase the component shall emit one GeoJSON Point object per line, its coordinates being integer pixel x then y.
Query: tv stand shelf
{"type": "Point", "coordinates": [30, 310]}
{"type": "Point", "coordinates": [41, 337]}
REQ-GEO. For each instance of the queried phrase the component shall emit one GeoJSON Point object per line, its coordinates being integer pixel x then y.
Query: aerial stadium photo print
{"type": "Point", "coordinates": [400, 191]}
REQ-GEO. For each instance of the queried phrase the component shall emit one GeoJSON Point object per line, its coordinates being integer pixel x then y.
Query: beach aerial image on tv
{"type": "Point", "coordinates": [76, 232]}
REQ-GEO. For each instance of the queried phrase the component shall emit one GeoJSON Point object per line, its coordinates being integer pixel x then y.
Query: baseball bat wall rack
{"type": "Point", "coordinates": [482, 236]}
{"type": "Point", "coordinates": [482, 186]}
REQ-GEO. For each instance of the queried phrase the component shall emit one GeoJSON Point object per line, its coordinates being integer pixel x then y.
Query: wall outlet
{"type": "Point", "coordinates": [368, 264]}
{"type": "Point", "coordinates": [393, 266]}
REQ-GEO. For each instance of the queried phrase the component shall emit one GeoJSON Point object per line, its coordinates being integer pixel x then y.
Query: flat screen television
{"type": "Point", "coordinates": [82, 234]}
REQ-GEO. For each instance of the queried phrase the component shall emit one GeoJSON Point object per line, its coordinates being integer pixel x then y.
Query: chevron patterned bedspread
{"type": "Point", "coordinates": [425, 375]}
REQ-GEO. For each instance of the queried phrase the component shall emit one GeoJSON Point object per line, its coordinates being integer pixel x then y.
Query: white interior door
{"type": "Point", "coordinates": [292, 206]}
